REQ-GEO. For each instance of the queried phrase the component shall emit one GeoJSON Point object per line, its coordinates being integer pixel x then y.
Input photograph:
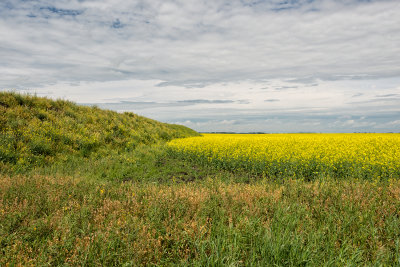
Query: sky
{"type": "Point", "coordinates": [216, 65]}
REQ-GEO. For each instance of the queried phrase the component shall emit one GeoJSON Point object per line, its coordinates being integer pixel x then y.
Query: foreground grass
{"type": "Point", "coordinates": [54, 221]}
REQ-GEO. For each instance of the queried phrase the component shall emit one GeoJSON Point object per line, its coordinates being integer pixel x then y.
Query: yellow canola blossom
{"type": "Point", "coordinates": [304, 155]}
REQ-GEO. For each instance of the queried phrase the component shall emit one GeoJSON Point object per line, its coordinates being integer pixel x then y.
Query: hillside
{"type": "Point", "coordinates": [37, 131]}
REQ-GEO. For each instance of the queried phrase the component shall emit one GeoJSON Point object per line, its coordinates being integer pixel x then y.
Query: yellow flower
{"type": "Point", "coordinates": [356, 155]}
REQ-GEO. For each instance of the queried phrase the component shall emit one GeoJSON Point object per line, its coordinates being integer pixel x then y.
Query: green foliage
{"type": "Point", "coordinates": [144, 164]}
{"type": "Point", "coordinates": [36, 131]}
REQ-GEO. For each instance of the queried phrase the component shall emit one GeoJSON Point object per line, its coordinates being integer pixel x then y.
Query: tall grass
{"type": "Point", "coordinates": [58, 221]}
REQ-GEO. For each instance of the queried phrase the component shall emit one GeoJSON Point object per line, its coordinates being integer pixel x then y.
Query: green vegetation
{"type": "Point", "coordinates": [68, 220]}
{"type": "Point", "coordinates": [127, 201]}
{"type": "Point", "coordinates": [37, 131]}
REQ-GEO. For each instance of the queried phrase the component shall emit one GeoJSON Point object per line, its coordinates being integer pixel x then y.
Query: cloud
{"type": "Point", "coordinates": [389, 95]}
{"type": "Point", "coordinates": [199, 42]}
{"type": "Point", "coordinates": [357, 95]}
{"type": "Point", "coordinates": [328, 107]}
{"type": "Point", "coordinates": [280, 88]}
{"type": "Point", "coordinates": [310, 60]}
{"type": "Point", "coordinates": [127, 105]}
{"type": "Point", "coordinates": [205, 101]}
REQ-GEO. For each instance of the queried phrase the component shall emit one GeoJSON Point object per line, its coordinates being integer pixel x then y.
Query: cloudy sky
{"type": "Point", "coordinates": [213, 65]}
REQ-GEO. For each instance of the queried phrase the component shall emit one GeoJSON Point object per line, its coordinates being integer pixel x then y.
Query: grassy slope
{"type": "Point", "coordinates": [37, 131]}
{"type": "Point", "coordinates": [123, 200]}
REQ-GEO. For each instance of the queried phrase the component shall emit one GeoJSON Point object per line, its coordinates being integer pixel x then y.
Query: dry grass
{"type": "Point", "coordinates": [45, 220]}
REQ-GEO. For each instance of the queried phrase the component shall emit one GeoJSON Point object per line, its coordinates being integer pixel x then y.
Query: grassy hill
{"type": "Point", "coordinates": [36, 131]}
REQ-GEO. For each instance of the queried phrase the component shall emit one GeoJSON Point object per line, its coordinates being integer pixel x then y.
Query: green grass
{"type": "Point", "coordinates": [143, 206]}
{"type": "Point", "coordinates": [37, 131]}
{"type": "Point", "coordinates": [67, 220]}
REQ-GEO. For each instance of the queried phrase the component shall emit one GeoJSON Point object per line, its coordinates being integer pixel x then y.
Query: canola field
{"type": "Point", "coordinates": [308, 156]}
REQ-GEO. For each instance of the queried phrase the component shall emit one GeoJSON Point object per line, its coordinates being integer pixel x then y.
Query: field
{"type": "Point", "coordinates": [81, 186]}
{"type": "Point", "coordinates": [308, 156]}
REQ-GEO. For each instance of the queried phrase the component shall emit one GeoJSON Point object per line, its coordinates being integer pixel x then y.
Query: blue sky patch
{"type": "Point", "coordinates": [117, 24]}
{"type": "Point", "coordinates": [62, 12]}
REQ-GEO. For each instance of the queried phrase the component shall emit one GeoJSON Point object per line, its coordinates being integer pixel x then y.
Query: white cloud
{"type": "Point", "coordinates": [309, 58]}
{"type": "Point", "coordinates": [396, 122]}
